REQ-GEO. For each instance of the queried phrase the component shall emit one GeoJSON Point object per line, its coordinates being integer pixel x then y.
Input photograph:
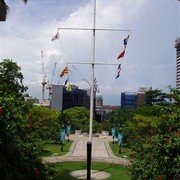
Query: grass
{"type": "Point", "coordinates": [55, 148]}
{"type": "Point", "coordinates": [63, 169]}
{"type": "Point", "coordinates": [124, 150]}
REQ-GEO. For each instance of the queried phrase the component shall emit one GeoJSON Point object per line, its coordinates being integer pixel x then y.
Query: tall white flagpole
{"type": "Point", "coordinates": [92, 80]}
{"type": "Point", "coordinates": [93, 63]}
{"type": "Point", "coordinates": [89, 144]}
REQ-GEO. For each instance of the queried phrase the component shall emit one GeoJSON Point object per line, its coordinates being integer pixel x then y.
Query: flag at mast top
{"type": "Point", "coordinates": [55, 37]}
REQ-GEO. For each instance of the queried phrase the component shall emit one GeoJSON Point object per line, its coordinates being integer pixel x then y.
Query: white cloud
{"type": "Point", "coordinates": [23, 39]}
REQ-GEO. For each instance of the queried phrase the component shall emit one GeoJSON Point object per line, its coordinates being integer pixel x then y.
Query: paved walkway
{"type": "Point", "coordinates": [101, 151]}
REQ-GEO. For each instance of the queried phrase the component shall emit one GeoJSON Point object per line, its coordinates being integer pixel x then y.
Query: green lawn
{"type": "Point", "coordinates": [55, 149]}
{"type": "Point", "coordinates": [63, 169]}
{"type": "Point", "coordinates": [124, 150]}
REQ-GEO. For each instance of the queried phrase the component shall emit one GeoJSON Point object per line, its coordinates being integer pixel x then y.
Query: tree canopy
{"type": "Point", "coordinates": [11, 79]}
{"type": "Point", "coordinates": [156, 140]}
{"type": "Point", "coordinates": [156, 96]}
{"type": "Point", "coordinates": [19, 152]}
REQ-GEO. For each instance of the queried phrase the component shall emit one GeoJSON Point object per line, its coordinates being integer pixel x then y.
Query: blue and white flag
{"type": "Point", "coordinates": [62, 135]}
{"type": "Point", "coordinates": [126, 40]}
{"type": "Point", "coordinates": [68, 129]}
{"type": "Point", "coordinates": [113, 131]}
{"type": "Point", "coordinates": [120, 138]}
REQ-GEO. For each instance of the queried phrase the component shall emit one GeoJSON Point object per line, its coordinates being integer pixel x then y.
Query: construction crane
{"type": "Point", "coordinates": [44, 78]}
{"type": "Point", "coordinates": [49, 84]}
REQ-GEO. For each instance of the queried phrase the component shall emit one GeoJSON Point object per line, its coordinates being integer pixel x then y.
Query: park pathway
{"type": "Point", "coordinates": [101, 151]}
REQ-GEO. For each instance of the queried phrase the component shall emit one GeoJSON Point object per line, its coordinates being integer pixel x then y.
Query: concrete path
{"type": "Point", "coordinates": [101, 151]}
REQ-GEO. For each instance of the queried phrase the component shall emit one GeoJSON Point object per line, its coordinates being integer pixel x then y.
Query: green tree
{"type": "Point", "coordinates": [120, 116]}
{"type": "Point", "coordinates": [159, 158]}
{"type": "Point", "coordinates": [158, 142]}
{"type": "Point", "coordinates": [156, 96]}
{"type": "Point", "coordinates": [139, 130]}
{"type": "Point", "coordinates": [79, 118]}
{"type": "Point", "coordinates": [19, 153]}
{"type": "Point", "coordinates": [147, 110]}
{"type": "Point", "coordinates": [175, 96]}
{"type": "Point", "coordinates": [11, 79]}
{"type": "Point", "coordinates": [43, 123]}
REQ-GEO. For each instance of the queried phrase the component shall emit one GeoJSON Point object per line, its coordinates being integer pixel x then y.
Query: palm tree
{"type": "Point", "coordinates": [4, 8]}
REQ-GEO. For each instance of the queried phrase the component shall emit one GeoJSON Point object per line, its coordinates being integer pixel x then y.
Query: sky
{"type": "Point", "coordinates": [150, 58]}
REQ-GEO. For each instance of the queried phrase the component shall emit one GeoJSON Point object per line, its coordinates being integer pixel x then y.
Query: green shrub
{"type": "Point", "coordinates": [18, 152]}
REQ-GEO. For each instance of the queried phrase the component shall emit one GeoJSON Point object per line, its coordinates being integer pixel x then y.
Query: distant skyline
{"type": "Point", "coordinates": [150, 58]}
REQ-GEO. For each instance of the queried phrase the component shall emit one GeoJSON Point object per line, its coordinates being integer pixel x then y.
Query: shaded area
{"type": "Point", "coordinates": [63, 169]}
{"type": "Point", "coordinates": [54, 149]}
{"type": "Point", "coordinates": [125, 151]}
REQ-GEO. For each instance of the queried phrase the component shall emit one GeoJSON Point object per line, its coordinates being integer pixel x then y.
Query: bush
{"type": "Point", "coordinates": [43, 123]}
{"type": "Point", "coordinates": [159, 157]}
{"type": "Point", "coordinates": [18, 152]}
{"type": "Point", "coordinates": [79, 118]}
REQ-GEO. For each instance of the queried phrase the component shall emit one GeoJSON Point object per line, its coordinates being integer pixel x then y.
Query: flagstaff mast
{"type": "Point", "coordinates": [89, 143]}
{"type": "Point", "coordinates": [93, 63]}
{"type": "Point", "coordinates": [43, 78]}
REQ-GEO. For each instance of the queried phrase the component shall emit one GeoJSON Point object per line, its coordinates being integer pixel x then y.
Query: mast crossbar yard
{"type": "Point", "coordinates": [91, 29]}
{"type": "Point", "coordinates": [93, 63]}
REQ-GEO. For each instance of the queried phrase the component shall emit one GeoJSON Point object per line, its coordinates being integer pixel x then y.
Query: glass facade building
{"type": "Point", "coordinates": [63, 99]}
{"type": "Point", "coordinates": [128, 100]}
{"type": "Point", "coordinates": [76, 97]}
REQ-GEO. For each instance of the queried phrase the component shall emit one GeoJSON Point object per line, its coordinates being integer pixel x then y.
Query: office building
{"type": "Point", "coordinates": [177, 46]}
{"type": "Point", "coordinates": [76, 97]}
{"type": "Point", "coordinates": [128, 100]}
{"type": "Point", "coordinates": [57, 97]}
{"type": "Point", "coordinates": [65, 98]}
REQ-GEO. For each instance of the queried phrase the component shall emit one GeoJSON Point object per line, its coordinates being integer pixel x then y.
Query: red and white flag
{"type": "Point", "coordinates": [121, 55]}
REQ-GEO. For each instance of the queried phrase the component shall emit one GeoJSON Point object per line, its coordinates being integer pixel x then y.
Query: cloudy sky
{"type": "Point", "coordinates": [150, 54]}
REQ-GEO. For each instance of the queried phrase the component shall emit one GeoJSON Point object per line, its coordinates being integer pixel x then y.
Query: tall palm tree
{"type": "Point", "coordinates": [4, 9]}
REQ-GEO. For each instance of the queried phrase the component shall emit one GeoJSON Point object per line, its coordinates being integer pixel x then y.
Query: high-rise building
{"type": "Point", "coordinates": [129, 99]}
{"type": "Point", "coordinates": [57, 97]}
{"type": "Point", "coordinates": [63, 98]}
{"type": "Point", "coordinates": [177, 46]}
{"type": "Point", "coordinates": [76, 97]}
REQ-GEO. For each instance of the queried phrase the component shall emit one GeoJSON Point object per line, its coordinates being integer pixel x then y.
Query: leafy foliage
{"type": "Point", "coordinates": [43, 123]}
{"type": "Point", "coordinates": [18, 152]}
{"type": "Point", "coordinates": [139, 130]}
{"type": "Point", "coordinates": [153, 132]}
{"type": "Point", "coordinates": [158, 143]}
{"type": "Point", "coordinates": [156, 97]}
{"type": "Point", "coordinates": [11, 79]}
{"type": "Point", "coordinates": [79, 119]}
{"type": "Point", "coordinates": [120, 116]}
